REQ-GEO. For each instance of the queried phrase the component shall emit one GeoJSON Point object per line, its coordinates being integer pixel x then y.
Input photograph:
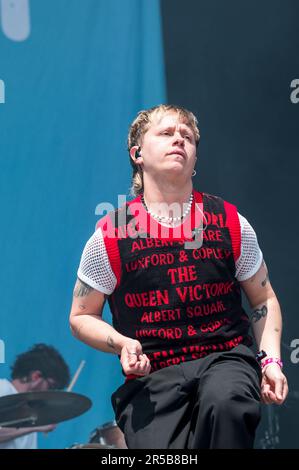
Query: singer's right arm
{"type": "Point", "coordinates": [86, 320]}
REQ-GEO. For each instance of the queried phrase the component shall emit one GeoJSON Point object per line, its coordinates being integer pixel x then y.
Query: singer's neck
{"type": "Point", "coordinates": [168, 194]}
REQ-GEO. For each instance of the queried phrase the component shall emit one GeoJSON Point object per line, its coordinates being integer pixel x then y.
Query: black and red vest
{"type": "Point", "coordinates": [181, 304]}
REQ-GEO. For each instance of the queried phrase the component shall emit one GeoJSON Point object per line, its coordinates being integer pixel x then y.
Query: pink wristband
{"type": "Point", "coordinates": [270, 360]}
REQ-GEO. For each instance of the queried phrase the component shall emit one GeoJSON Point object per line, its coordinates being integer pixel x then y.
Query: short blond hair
{"type": "Point", "coordinates": [141, 125]}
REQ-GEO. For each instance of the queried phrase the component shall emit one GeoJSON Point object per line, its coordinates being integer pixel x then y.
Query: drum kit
{"type": "Point", "coordinates": [107, 436]}
{"type": "Point", "coordinates": [41, 408]}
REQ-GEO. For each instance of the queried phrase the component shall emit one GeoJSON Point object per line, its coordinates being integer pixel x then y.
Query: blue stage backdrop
{"type": "Point", "coordinates": [75, 74]}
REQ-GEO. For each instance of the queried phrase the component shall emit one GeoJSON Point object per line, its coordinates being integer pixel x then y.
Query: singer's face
{"type": "Point", "coordinates": [169, 146]}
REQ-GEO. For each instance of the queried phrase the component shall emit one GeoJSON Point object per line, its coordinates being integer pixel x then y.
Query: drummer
{"type": "Point", "coordinates": [41, 368]}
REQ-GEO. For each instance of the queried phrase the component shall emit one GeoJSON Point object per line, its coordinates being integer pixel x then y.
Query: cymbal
{"type": "Point", "coordinates": [41, 408]}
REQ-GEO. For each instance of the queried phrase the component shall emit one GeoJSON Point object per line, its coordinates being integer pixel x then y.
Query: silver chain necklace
{"type": "Point", "coordinates": [169, 219]}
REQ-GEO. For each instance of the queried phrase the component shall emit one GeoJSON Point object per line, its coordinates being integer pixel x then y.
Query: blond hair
{"type": "Point", "coordinates": [141, 125]}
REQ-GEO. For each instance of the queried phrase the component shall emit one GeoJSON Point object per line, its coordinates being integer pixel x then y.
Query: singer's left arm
{"type": "Point", "coordinates": [267, 329]}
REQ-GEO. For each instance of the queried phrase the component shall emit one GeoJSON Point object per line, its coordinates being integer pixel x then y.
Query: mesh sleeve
{"type": "Point", "coordinates": [95, 269]}
{"type": "Point", "coordinates": [251, 256]}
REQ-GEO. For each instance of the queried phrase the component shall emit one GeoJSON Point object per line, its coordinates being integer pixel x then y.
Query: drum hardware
{"type": "Point", "coordinates": [108, 434]}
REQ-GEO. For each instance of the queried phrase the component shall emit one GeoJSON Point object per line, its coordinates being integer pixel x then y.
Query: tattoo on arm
{"type": "Point", "coordinates": [259, 313]}
{"type": "Point", "coordinates": [110, 343]}
{"type": "Point", "coordinates": [82, 289]}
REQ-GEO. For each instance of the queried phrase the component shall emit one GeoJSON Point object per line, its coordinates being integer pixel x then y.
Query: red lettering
{"type": "Point", "coordinates": [163, 333]}
{"type": "Point", "coordinates": [147, 299]}
{"type": "Point", "coordinates": [205, 309]}
{"type": "Point", "coordinates": [182, 274]}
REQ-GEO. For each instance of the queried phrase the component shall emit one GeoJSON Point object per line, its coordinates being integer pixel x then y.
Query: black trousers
{"type": "Point", "coordinates": [208, 403]}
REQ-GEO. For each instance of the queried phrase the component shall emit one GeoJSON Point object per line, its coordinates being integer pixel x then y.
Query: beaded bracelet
{"type": "Point", "coordinates": [271, 360]}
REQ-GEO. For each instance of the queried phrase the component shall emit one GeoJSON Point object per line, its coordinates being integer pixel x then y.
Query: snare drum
{"type": "Point", "coordinates": [108, 434]}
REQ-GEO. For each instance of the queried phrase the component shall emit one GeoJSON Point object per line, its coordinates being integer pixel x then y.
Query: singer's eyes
{"type": "Point", "coordinates": [170, 133]}
{"type": "Point", "coordinates": [186, 136]}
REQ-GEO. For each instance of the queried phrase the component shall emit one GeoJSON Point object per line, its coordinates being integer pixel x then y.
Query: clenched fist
{"type": "Point", "coordinates": [132, 359]}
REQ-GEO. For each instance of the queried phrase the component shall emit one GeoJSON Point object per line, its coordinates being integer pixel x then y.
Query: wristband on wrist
{"type": "Point", "coordinates": [271, 360]}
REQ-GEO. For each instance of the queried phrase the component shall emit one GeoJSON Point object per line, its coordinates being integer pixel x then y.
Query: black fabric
{"type": "Point", "coordinates": [208, 403]}
{"type": "Point", "coordinates": [178, 320]}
